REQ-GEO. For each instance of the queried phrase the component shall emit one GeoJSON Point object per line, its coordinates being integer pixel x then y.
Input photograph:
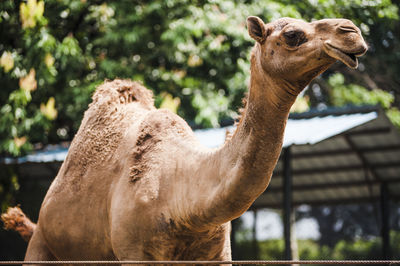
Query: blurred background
{"type": "Point", "coordinates": [194, 56]}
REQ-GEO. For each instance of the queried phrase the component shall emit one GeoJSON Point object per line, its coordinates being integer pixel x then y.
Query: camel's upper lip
{"type": "Point", "coordinates": [348, 58]}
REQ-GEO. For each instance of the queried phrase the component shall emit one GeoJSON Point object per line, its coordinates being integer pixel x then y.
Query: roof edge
{"type": "Point", "coordinates": [336, 111]}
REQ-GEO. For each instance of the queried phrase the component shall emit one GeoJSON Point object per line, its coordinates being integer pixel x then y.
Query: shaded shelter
{"type": "Point", "coordinates": [358, 165]}
{"type": "Point", "coordinates": [335, 156]}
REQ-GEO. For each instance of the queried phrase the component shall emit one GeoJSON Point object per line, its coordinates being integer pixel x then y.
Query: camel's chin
{"type": "Point", "coordinates": [348, 59]}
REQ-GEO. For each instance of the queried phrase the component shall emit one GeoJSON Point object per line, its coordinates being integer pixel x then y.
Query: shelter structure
{"type": "Point", "coordinates": [334, 156]}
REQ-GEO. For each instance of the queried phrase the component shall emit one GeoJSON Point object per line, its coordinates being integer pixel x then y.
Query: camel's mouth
{"type": "Point", "coordinates": [349, 59]}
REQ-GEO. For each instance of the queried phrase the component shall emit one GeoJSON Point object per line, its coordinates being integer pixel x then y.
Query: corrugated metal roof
{"type": "Point", "coordinates": [313, 130]}
{"type": "Point", "coordinates": [52, 153]}
{"type": "Point", "coordinates": [298, 131]}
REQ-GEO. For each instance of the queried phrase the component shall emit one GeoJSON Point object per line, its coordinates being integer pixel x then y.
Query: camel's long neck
{"type": "Point", "coordinates": [251, 155]}
{"type": "Point", "coordinates": [257, 142]}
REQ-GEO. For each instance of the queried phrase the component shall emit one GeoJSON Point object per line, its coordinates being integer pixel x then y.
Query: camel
{"type": "Point", "coordinates": [137, 185]}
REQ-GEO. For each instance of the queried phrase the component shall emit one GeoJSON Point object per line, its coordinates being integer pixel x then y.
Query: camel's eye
{"type": "Point", "coordinates": [295, 38]}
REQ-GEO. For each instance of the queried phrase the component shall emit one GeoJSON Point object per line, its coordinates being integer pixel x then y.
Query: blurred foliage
{"type": "Point", "coordinates": [194, 55]}
{"type": "Point", "coordinates": [359, 249]}
{"type": "Point", "coordinates": [352, 94]}
{"type": "Point", "coordinates": [348, 222]}
{"type": "Point", "coordinates": [343, 94]}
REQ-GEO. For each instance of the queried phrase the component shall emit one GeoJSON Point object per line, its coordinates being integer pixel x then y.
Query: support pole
{"type": "Point", "coordinates": [234, 225]}
{"type": "Point", "coordinates": [293, 238]}
{"type": "Point", "coordinates": [287, 201]}
{"type": "Point", "coordinates": [385, 222]}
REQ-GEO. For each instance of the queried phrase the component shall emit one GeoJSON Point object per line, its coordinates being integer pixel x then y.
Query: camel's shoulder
{"type": "Point", "coordinates": [170, 117]}
{"type": "Point", "coordinates": [159, 133]}
{"type": "Point", "coordinates": [163, 122]}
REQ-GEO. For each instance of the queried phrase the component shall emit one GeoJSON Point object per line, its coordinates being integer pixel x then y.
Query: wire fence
{"type": "Point", "coordinates": [238, 262]}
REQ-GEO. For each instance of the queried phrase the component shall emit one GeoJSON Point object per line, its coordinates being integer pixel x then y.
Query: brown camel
{"type": "Point", "coordinates": [136, 184]}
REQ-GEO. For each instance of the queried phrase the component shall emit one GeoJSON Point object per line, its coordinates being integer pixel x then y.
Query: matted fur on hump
{"type": "Point", "coordinates": [106, 121]}
{"type": "Point", "coordinates": [123, 92]}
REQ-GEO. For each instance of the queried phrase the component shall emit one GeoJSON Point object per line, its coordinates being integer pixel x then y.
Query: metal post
{"type": "Point", "coordinates": [287, 200]}
{"type": "Point", "coordinates": [233, 238]}
{"type": "Point", "coordinates": [385, 226]}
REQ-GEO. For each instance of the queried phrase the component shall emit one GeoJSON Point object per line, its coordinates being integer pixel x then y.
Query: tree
{"type": "Point", "coordinates": [54, 53]}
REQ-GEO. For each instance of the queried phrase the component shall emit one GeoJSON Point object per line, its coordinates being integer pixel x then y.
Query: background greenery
{"type": "Point", "coordinates": [346, 232]}
{"type": "Point", "coordinates": [194, 55]}
{"type": "Point", "coordinates": [356, 249]}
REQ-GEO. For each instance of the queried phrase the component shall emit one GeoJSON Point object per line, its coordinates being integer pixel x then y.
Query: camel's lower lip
{"type": "Point", "coordinates": [348, 59]}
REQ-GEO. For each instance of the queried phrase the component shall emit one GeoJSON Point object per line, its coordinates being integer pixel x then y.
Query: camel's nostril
{"type": "Point", "coordinates": [347, 29]}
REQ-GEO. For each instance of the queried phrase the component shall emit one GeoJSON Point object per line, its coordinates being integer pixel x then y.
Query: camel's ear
{"type": "Point", "coordinates": [256, 28]}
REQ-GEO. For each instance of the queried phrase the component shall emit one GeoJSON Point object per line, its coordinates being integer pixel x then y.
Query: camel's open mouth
{"type": "Point", "coordinates": [349, 59]}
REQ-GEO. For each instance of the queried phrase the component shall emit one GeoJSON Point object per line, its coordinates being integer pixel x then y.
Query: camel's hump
{"type": "Point", "coordinates": [122, 91]}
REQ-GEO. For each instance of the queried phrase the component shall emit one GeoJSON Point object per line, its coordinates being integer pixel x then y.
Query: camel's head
{"type": "Point", "coordinates": [297, 51]}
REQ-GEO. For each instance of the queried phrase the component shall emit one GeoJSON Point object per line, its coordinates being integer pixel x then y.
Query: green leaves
{"type": "Point", "coordinates": [48, 109]}
{"type": "Point", "coordinates": [28, 83]}
{"type": "Point", "coordinates": [209, 105]}
{"type": "Point", "coordinates": [170, 103]}
{"type": "Point", "coordinates": [345, 94]}
{"type": "Point", "coordinates": [7, 61]}
{"type": "Point", "coordinates": [31, 13]}
{"type": "Point", "coordinates": [54, 54]}
{"type": "Point", "coordinates": [29, 63]}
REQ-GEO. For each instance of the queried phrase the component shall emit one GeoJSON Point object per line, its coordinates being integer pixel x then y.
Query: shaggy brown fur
{"type": "Point", "coordinates": [15, 219]}
{"type": "Point", "coordinates": [104, 124]}
{"type": "Point", "coordinates": [137, 185]}
{"type": "Point", "coordinates": [121, 92]}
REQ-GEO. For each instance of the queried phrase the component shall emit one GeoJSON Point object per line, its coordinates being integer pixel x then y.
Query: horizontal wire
{"type": "Point", "coordinates": [238, 262]}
